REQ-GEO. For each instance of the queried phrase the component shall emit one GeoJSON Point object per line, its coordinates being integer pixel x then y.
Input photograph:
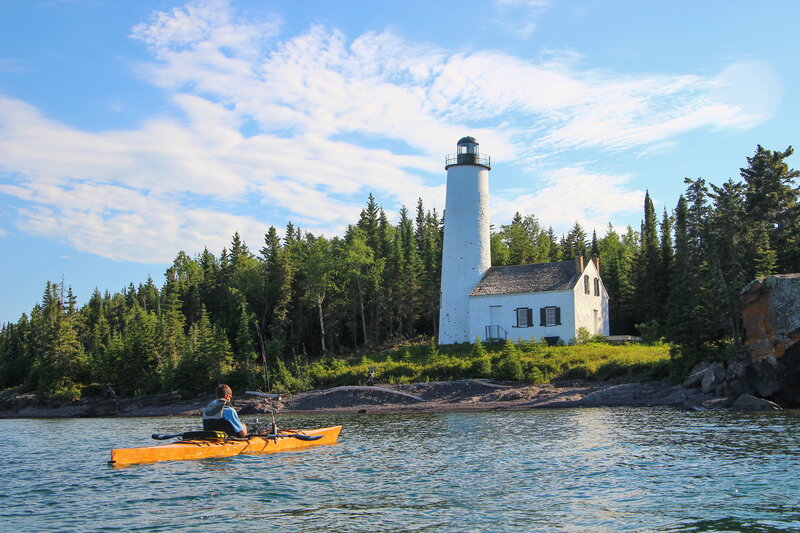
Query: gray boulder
{"type": "Point", "coordinates": [695, 378]}
{"type": "Point", "coordinates": [747, 402]}
{"type": "Point", "coordinates": [713, 377]}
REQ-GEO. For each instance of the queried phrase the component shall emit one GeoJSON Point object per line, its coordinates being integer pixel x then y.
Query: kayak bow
{"type": "Point", "coordinates": [226, 447]}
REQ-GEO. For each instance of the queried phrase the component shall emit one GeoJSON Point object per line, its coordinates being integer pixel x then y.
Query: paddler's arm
{"type": "Point", "coordinates": [232, 416]}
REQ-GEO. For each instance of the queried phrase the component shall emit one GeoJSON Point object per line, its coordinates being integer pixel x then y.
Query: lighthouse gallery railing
{"type": "Point", "coordinates": [468, 159]}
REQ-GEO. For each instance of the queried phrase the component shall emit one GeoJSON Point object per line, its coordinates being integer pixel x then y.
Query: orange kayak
{"type": "Point", "coordinates": [226, 447]}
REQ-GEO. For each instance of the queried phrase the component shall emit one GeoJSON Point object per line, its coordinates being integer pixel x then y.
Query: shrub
{"type": "Point", "coordinates": [433, 355]}
{"type": "Point", "coordinates": [66, 391]}
{"type": "Point", "coordinates": [481, 367]}
{"type": "Point", "coordinates": [509, 365]}
{"type": "Point", "coordinates": [583, 336]}
{"type": "Point", "coordinates": [651, 331]}
{"type": "Point", "coordinates": [533, 373]}
{"type": "Point", "coordinates": [578, 372]}
{"type": "Point", "coordinates": [478, 348]}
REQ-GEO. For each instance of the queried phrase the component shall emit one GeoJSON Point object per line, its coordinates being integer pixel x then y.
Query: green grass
{"type": "Point", "coordinates": [528, 361]}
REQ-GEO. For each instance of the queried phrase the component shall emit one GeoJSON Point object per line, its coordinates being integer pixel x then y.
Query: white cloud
{"type": "Point", "coordinates": [335, 120]}
{"type": "Point", "coordinates": [597, 198]}
{"type": "Point", "coordinates": [752, 90]}
{"type": "Point", "coordinates": [521, 17]}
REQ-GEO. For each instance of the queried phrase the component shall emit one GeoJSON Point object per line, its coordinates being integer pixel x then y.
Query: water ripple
{"type": "Point", "coordinates": [545, 470]}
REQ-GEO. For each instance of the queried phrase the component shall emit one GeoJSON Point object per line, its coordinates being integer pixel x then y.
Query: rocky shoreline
{"type": "Point", "coordinates": [461, 395]}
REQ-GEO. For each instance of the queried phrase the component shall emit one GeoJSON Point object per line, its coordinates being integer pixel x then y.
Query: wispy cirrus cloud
{"type": "Point", "coordinates": [305, 126]}
{"type": "Point", "coordinates": [520, 16]}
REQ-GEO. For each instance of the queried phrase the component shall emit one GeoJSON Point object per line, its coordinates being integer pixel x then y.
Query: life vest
{"type": "Point", "coordinates": [213, 420]}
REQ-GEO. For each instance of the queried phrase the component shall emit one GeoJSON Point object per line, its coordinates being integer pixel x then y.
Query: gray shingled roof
{"type": "Point", "coordinates": [527, 278]}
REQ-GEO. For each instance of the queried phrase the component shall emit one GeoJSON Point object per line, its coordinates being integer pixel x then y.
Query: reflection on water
{"type": "Point", "coordinates": [541, 470]}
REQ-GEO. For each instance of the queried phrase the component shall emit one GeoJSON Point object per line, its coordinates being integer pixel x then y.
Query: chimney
{"type": "Point", "coordinates": [579, 264]}
{"type": "Point", "coordinates": [596, 261]}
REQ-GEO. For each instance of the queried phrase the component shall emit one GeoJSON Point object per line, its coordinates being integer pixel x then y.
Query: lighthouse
{"type": "Point", "coordinates": [466, 253]}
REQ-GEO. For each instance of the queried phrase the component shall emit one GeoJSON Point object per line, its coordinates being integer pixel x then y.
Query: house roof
{"type": "Point", "coordinates": [516, 279]}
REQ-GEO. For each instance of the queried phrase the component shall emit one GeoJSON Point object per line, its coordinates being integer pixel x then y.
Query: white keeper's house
{"type": "Point", "coordinates": [550, 301]}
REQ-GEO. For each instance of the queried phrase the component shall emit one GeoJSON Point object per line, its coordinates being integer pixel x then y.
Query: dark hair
{"type": "Point", "coordinates": [223, 390]}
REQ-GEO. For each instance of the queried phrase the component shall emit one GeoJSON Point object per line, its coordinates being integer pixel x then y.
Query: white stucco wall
{"type": "Point", "coordinates": [587, 304]}
{"type": "Point", "coordinates": [480, 314]}
{"type": "Point", "coordinates": [577, 310]}
{"type": "Point", "coordinates": [466, 254]}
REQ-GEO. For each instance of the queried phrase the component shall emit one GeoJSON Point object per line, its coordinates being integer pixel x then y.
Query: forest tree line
{"type": "Point", "coordinates": [300, 296]}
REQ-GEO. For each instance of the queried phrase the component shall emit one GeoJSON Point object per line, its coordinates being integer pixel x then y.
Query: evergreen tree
{"type": "Point", "coordinates": [665, 274]}
{"type": "Point", "coordinates": [279, 276]}
{"type": "Point", "coordinates": [771, 198]}
{"type": "Point", "coordinates": [683, 290]}
{"type": "Point", "coordinates": [369, 223]}
{"type": "Point", "coordinates": [729, 250]}
{"type": "Point", "coordinates": [172, 338]}
{"type": "Point", "coordinates": [60, 362]}
{"type": "Point", "coordinates": [647, 269]}
{"type": "Point", "coordinates": [574, 244]}
{"type": "Point", "coordinates": [765, 258]}
{"type": "Point", "coordinates": [408, 284]}
{"type": "Point", "coordinates": [141, 366]}
{"type": "Point", "coordinates": [554, 254]}
{"type": "Point", "coordinates": [15, 353]}
{"type": "Point", "coordinates": [614, 268]}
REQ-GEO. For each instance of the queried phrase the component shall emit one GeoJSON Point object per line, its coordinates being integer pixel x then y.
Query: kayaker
{"type": "Point", "coordinates": [220, 415]}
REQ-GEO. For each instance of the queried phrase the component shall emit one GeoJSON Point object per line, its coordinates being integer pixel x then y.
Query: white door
{"type": "Point", "coordinates": [495, 315]}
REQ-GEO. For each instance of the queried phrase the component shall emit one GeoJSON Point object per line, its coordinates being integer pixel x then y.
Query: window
{"type": "Point", "coordinates": [550, 316]}
{"type": "Point", "coordinates": [586, 284]}
{"type": "Point", "coordinates": [596, 286]}
{"type": "Point", "coordinates": [524, 317]}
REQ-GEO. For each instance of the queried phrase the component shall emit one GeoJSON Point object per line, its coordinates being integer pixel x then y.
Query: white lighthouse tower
{"type": "Point", "coordinates": [466, 254]}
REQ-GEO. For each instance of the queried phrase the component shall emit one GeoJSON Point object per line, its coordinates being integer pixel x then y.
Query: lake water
{"type": "Point", "coordinates": [540, 470]}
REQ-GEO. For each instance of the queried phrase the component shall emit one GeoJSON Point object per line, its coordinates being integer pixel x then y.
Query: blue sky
{"type": "Point", "coordinates": [132, 130]}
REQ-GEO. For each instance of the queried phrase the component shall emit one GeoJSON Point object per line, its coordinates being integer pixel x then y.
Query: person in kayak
{"type": "Point", "coordinates": [220, 415]}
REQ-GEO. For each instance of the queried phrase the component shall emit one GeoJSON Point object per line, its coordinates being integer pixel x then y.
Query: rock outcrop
{"type": "Point", "coordinates": [771, 315]}
{"type": "Point", "coordinates": [769, 365]}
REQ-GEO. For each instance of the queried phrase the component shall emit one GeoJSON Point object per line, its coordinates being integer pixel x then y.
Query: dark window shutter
{"type": "Point", "coordinates": [530, 317]}
{"type": "Point", "coordinates": [558, 316]}
{"type": "Point", "coordinates": [542, 316]}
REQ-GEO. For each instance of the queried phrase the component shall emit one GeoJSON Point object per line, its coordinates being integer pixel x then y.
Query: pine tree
{"type": "Point", "coordinates": [279, 276]}
{"type": "Point", "coordinates": [729, 250]}
{"type": "Point", "coordinates": [141, 364]}
{"type": "Point", "coordinates": [614, 265]}
{"type": "Point", "coordinates": [683, 290]}
{"type": "Point", "coordinates": [552, 243]}
{"type": "Point", "coordinates": [60, 362]}
{"type": "Point", "coordinates": [665, 274]}
{"type": "Point", "coordinates": [574, 244]}
{"type": "Point", "coordinates": [765, 258]}
{"type": "Point", "coordinates": [408, 285]}
{"type": "Point", "coordinates": [771, 198]}
{"type": "Point", "coordinates": [647, 269]}
{"type": "Point", "coordinates": [369, 223]}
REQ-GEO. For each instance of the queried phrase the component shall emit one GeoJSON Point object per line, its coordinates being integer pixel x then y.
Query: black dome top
{"type": "Point", "coordinates": [465, 140]}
